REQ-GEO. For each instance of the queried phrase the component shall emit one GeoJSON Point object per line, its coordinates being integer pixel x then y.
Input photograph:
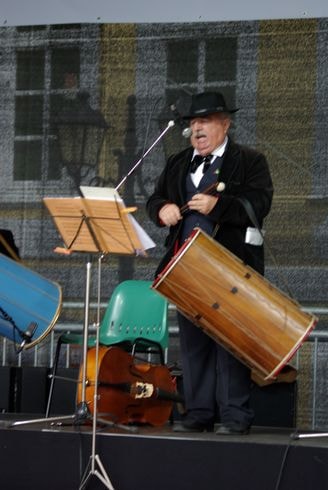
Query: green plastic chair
{"type": "Point", "coordinates": [136, 318]}
{"type": "Point", "coordinates": [136, 315]}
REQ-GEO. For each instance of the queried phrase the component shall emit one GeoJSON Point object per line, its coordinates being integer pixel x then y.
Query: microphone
{"type": "Point", "coordinates": [27, 336]}
{"type": "Point", "coordinates": [186, 130]}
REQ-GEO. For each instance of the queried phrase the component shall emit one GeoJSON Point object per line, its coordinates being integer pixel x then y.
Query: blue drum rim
{"type": "Point", "coordinates": [17, 265]}
{"type": "Point", "coordinates": [52, 324]}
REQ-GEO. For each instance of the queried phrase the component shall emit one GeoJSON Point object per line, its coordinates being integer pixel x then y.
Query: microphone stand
{"type": "Point", "coordinates": [25, 336]}
{"type": "Point", "coordinates": [95, 466]}
{"type": "Point", "coordinates": [311, 435]}
{"type": "Point", "coordinates": [136, 165]}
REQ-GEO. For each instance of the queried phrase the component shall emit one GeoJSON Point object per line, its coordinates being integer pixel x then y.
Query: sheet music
{"type": "Point", "coordinates": [144, 238]}
{"type": "Point", "coordinates": [110, 193]}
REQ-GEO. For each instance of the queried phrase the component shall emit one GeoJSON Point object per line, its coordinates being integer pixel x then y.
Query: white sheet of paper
{"type": "Point", "coordinates": [111, 194]}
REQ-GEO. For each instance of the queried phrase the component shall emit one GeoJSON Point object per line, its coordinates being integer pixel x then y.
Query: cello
{"type": "Point", "coordinates": [128, 392]}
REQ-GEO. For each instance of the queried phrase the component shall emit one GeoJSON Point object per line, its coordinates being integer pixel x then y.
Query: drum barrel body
{"type": "Point", "coordinates": [235, 305]}
{"type": "Point", "coordinates": [26, 297]}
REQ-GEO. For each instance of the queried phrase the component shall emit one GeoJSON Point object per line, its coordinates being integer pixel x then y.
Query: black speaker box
{"type": "Point", "coordinates": [275, 404]}
{"type": "Point", "coordinates": [31, 389]}
{"type": "Point", "coordinates": [7, 391]}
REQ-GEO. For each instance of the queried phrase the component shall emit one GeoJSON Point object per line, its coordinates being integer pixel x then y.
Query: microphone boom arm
{"type": "Point", "coordinates": [136, 165]}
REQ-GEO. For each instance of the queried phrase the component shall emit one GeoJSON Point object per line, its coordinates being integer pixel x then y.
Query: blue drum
{"type": "Point", "coordinates": [29, 304]}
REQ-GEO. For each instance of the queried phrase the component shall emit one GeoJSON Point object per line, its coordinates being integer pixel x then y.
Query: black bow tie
{"type": "Point", "coordinates": [198, 160]}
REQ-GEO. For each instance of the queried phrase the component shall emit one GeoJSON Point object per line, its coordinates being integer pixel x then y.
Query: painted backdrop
{"type": "Point", "coordinates": [129, 75]}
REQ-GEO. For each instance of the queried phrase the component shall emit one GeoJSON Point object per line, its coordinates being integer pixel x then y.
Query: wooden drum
{"type": "Point", "coordinates": [234, 305]}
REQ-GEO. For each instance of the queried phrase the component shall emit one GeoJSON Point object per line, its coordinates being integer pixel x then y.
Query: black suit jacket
{"type": "Point", "coordinates": [246, 175]}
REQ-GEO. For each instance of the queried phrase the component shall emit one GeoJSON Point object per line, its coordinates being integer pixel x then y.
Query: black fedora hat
{"type": "Point", "coordinates": [207, 103]}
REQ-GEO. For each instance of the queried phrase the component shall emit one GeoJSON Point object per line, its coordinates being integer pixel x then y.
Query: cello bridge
{"type": "Point", "coordinates": [142, 390]}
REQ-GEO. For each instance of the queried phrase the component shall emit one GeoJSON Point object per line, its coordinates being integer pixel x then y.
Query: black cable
{"type": "Point", "coordinates": [9, 319]}
{"type": "Point", "coordinates": [282, 467]}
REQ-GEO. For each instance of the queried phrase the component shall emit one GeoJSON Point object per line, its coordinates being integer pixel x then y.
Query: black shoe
{"type": "Point", "coordinates": [232, 428]}
{"type": "Point", "coordinates": [192, 426]}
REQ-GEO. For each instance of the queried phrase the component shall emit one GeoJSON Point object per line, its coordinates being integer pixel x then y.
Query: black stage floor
{"type": "Point", "coordinates": [44, 456]}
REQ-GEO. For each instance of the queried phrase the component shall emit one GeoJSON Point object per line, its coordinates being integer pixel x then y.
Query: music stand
{"type": "Point", "coordinates": [102, 226]}
{"type": "Point", "coordinates": [92, 226]}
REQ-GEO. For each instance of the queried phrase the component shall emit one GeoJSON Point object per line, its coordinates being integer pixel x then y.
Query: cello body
{"type": "Point", "coordinates": [128, 392]}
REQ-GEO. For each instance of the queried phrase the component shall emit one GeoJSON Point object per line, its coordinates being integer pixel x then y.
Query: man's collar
{"type": "Point", "coordinates": [218, 152]}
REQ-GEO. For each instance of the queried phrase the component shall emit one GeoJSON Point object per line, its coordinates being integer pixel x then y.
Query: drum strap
{"type": "Point", "coordinates": [251, 214]}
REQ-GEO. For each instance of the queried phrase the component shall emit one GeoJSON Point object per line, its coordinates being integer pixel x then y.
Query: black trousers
{"type": "Point", "coordinates": [214, 381]}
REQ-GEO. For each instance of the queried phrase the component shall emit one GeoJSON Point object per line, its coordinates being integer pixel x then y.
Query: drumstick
{"type": "Point", "coordinates": [217, 187]}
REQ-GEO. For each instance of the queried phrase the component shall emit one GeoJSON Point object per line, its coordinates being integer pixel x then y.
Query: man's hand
{"type": "Point", "coordinates": [169, 214]}
{"type": "Point", "coordinates": [203, 203]}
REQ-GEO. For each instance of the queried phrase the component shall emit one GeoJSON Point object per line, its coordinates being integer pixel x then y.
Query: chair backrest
{"type": "Point", "coordinates": [135, 311]}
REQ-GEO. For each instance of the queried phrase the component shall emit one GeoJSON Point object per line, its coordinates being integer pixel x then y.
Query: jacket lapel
{"type": "Point", "coordinates": [183, 164]}
{"type": "Point", "coordinates": [230, 163]}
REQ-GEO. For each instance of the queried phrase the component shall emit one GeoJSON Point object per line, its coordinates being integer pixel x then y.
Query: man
{"type": "Point", "coordinates": [214, 381]}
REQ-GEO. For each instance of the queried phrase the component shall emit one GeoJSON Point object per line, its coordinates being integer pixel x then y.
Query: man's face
{"type": "Point", "coordinates": [208, 132]}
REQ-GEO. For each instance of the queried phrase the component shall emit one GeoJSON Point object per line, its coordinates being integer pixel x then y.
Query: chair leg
{"type": "Point", "coordinates": [53, 376]}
